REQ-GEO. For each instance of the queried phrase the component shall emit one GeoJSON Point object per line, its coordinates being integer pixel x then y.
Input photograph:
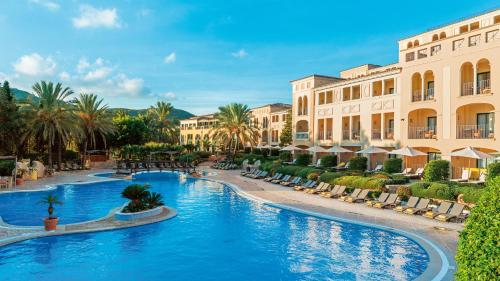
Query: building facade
{"type": "Point", "coordinates": [268, 119]}
{"type": "Point", "coordinates": [441, 96]}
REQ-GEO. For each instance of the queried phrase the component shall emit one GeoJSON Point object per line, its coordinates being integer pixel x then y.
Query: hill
{"type": "Point", "coordinates": [176, 113]}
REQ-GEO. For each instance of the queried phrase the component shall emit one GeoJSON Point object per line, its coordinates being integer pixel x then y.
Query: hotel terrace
{"type": "Point", "coordinates": [440, 97]}
{"type": "Point", "coordinates": [269, 119]}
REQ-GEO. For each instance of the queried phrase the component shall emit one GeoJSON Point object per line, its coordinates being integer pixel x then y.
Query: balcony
{"type": "Point", "coordinates": [474, 132]}
{"type": "Point", "coordinates": [422, 133]}
{"type": "Point", "coordinates": [302, 136]}
{"type": "Point", "coordinates": [483, 86]}
{"type": "Point", "coordinates": [355, 135]}
{"type": "Point", "coordinates": [389, 134]}
{"type": "Point", "coordinates": [416, 96]}
{"type": "Point", "coordinates": [467, 89]}
{"type": "Point", "coordinates": [429, 94]}
{"type": "Point", "coordinates": [376, 134]}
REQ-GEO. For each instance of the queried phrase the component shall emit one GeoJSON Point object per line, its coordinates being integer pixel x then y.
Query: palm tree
{"type": "Point", "coordinates": [50, 200]}
{"type": "Point", "coordinates": [160, 113]}
{"type": "Point", "coordinates": [94, 120]}
{"type": "Point", "coordinates": [51, 116]}
{"type": "Point", "coordinates": [233, 127]}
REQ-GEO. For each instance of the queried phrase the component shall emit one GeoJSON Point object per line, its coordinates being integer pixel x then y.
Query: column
{"type": "Point", "coordinates": [350, 127]}
{"type": "Point", "coordinates": [382, 126]}
{"type": "Point", "coordinates": [423, 87]}
{"type": "Point", "coordinates": [474, 86]}
{"type": "Point", "coordinates": [383, 87]}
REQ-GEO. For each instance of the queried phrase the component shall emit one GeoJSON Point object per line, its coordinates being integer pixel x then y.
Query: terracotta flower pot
{"type": "Point", "coordinates": [19, 181]}
{"type": "Point", "coordinates": [51, 223]}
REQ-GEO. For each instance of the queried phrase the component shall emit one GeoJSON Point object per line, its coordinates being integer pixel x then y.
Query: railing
{"type": "Point", "coordinates": [302, 136]}
{"type": "Point", "coordinates": [355, 135]}
{"type": "Point", "coordinates": [324, 136]}
{"type": "Point", "coordinates": [467, 89]}
{"type": "Point", "coordinates": [321, 135]}
{"type": "Point", "coordinates": [474, 132]}
{"type": "Point", "coordinates": [376, 134]}
{"type": "Point", "coordinates": [416, 96]}
{"type": "Point", "coordinates": [328, 135]}
{"type": "Point", "coordinates": [429, 94]}
{"type": "Point", "coordinates": [389, 134]}
{"type": "Point", "coordinates": [345, 134]}
{"type": "Point", "coordinates": [483, 86]}
{"type": "Point", "coordinates": [422, 133]}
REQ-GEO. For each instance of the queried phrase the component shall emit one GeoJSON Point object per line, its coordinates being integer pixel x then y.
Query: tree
{"type": "Point", "coordinates": [163, 125]}
{"type": "Point", "coordinates": [94, 120]}
{"type": "Point", "coordinates": [11, 122]}
{"type": "Point", "coordinates": [233, 127]}
{"type": "Point", "coordinates": [51, 118]}
{"type": "Point", "coordinates": [478, 249]}
{"type": "Point", "coordinates": [286, 133]}
{"type": "Point", "coordinates": [129, 130]}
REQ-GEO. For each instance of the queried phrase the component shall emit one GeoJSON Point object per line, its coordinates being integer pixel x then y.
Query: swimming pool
{"type": "Point", "coordinates": [217, 235]}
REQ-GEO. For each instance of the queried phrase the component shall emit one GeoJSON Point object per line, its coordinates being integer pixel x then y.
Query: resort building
{"type": "Point", "coordinates": [440, 97]}
{"type": "Point", "coordinates": [269, 119]}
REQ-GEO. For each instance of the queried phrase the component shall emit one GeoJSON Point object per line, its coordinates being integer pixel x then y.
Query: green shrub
{"type": "Point", "coordinates": [203, 154]}
{"type": "Point", "coordinates": [478, 244]}
{"type": "Point", "coordinates": [71, 155]}
{"type": "Point", "coordinates": [328, 161]}
{"type": "Point", "coordinates": [361, 182]}
{"type": "Point", "coordinates": [393, 165]}
{"type": "Point", "coordinates": [330, 176]}
{"type": "Point", "coordinates": [270, 166]}
{"type": "Point", "coordinates": [304, 172]}
{"type": "Point", "coordinates": [358, 163]}
{"type": "Point", "coordinates": [313, 176]}
{"type": "Point", "coordinates": [437, 170]}
{"type": "Point", "coordinates": [303, 159]}
{"type": "Point", "coordinates": [493, 170]}
{"type": "Point", "coordinates": [471, 194]}
{"type": "Point", "coordinates": [419, 189]}
{"type": "Point", "coordinates": [404, 192]}
{"type": "Point", "coordinates": [6, 167]}
{"type": "Point", "coordinates": [289, 170]}
{"type": "Point", "coordinates": [398, 179]}
{"type": "Point", "coordinates": [285, 156]}
{"type": "Point", "coordinates": [384, 176]}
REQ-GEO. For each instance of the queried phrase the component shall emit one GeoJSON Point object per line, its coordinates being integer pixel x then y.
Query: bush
{"type": "Point", "coordinates": [328, 161]}
{"type": "Point", "coordinates": [289, 170]}
{"type": "Point", "coordinates": [471, 194]}
{"type": "Point", "coordinates": [203, 154]}
{"type": "Point", "coordinates": [437, 170]}
{"type": "Point", "coordinates": [330, 176]}
{"type": "Point", "coordinates": [361, 182]}
{"type": "Point", "coordinates": [6, 167]}
{"type": "Point", "coordinates": [441, 191]}
{"type": "Point", "coordinates": [358, 163]}
{"type": "Point", "coordinates": [419, 189]}
{"type": "Point", "coordinates": [304, 172]}
{"type": "Point", "coordinates": [478, 251]}
{"type": "Point", "coordinates": [393, 165]}
{"type": "Point", "coordinates": [313, 176]}
{"type": "Point", "coordinates": [493, 170]}
{"type": "Point", "coordinates": [404, 192]}
{"type": "Point", "coordinates": [303, 159]}
{"type": "Point", "coordinates": [398, 179]}
{"type": "Point", "coordinates": [380, 176]}
{"type": "Point", "coordinates": [285, 156]}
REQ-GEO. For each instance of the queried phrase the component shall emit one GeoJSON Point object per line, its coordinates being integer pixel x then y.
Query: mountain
{"type": "Point", "coordinates": [176, 113]}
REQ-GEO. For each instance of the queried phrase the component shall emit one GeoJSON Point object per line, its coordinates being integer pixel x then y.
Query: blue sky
{"type": "Point", "coordinates": [202, 54]}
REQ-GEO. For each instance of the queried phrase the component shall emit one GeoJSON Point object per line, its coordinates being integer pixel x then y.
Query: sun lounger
{"type": "Point", "coordinates": [378, 168]}
{"type": "Point", "coordinates": [339, 192]}
{"type": "Point", "coordinates": [243, 173]}
{"type": "Point", "coordinates": [361, 197]}
{"type": "Point", "coordinates": [389, 203]}
{"type": "Point", "coordinates": [333, 190]}
{"type": "Point", "coordinates": [355, 193]}
{"type": "Point", "coordinates": [308, 182]}
{"type": "Point", "coordinates": [290, 180]}
{"type": "Point", "coordinates": [262, 175]}
{"type": "Point", "coordinates": [311, 184]}
{"type": "Point", "coordinates": [406, 172]}
{"type": "Point", "coordinates": [275, 176]}
{"type": "Point", "coordinates": [412, 203]}
{"type": "Point", "coordinates": [464, 178]}
{"type": "Point", "coordinates": [422, 206]}
{"type": "Point", "coordinates": [319, 187]}
{"type": "Point", "coordinates": [285, 178]}
{"type": "Point", "coordinates": [326, 187]}
{"type": "Point", "coordinates": [455, 213]}
{"type": "Point", "coordinates": [295, 181]}
{"type": "Point", "coordinates": [418, 173]}
{"type": "Point", "coordinates": [481, 180]}
{"type": "Point", "coordinates": [254, 176]}
{"type": "Point", "coordinates": [442, 209]}
{"type": "Point", "coordinates": [381, 198]}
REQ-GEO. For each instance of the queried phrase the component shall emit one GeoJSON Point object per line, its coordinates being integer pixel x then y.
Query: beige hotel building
{"type": "Point", "coordinates": [268, 119]}
{"type": "Point", "coordinates": [441, 96]}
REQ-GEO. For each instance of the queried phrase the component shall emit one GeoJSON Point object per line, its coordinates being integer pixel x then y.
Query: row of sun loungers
{"type": "Point", "coordinates": [446, 211]}
{"type": "Point", "coordinates": [225, 166]}
{"type": "Point", "coordinates": [134, 167]}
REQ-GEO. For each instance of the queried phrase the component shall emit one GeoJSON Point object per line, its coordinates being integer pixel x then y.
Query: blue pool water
{"type": "Point", "coordinates": [217, 235]}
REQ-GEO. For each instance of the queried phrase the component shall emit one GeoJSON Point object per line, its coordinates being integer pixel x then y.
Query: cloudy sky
{"type": "Point", "coordinates": [202, 54]}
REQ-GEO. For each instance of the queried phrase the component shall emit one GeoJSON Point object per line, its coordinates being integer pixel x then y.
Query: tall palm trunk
{"type": "Point", "coordinates": [59, 152]}
{"type": "Point", "coordinates": [49, 160]}
{"type": "Point", "coordinates": [85, 143]}
{"type": "Point", "coordinates": [235, 148]}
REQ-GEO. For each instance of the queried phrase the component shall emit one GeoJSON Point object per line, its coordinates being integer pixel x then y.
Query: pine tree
{"type": "Point", "coordinates": [286, 133]}
{"type": "Point", "coordinates": [10, 121]}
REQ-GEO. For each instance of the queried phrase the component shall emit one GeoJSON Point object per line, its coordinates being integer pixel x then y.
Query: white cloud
{"type": "Point", "coordinates": [97, 74]}
{"type": "Point", "coordinates": [35, 65]}
{"type": "Point", "coordinates": [132, 86]}
{"type": "Point", "coordinates": [240, 54]}
{"type": "Point", "coordinates": [91, 17]}
{"type": "Point", "coordinates": [64, 76]}
{"type": "Point", "coordinates": [49, 5]}
{"type": "Point", "coordinates": [144, 12]}
{"type": "Point", "coordinates": [170, 58]}
{"type": "Point", "coordinates": [166, 96]}
{"type": "Point", "coordinates": [83, 64]}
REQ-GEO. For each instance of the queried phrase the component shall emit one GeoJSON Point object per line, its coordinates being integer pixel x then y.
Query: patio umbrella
{"type": "Point", "coordinates": [372, 150]}
{"type": "Point", "coordinates": [338, 149]}
{"type": "Point", "coordinates": [408, 152]}
{"type": "Point", "coordinates": [470, 152]}
{"type": "Point", "coordinates": [267, 146]}
{"type": "Point", "coordinates": [291, 148]}
{"type": "Point", "coordinates": [316, 149]}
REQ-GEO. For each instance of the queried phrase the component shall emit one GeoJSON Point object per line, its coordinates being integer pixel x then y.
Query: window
{"type": "Point", "coordinates": [422, 53]}
{"type": "Point", "coordinates": [496, 19]}
{"type": "Point", "coordinates": [458, 44]}
{"type": "Point", "coordinates": [410, 56]}
{"type": "Point", "coordinates": [432, 124]}
{"type": "Point", "coordinates": [474, 40]}
{"type": "Point", "coordinates": [492, 35]}
{"type": "Point", "coordinates": [433, 156]}
{"type": "Point", "coordinates": [409, 45]}
{"type": "Point", "coordinates": [329, 97]}
{"type": "Point", "coordinates": [442, 35]}
{"type": "Point", "coordinates": [308, 85]}
{"type": "Point", "coordinates": [435, 37]}
{"type": "Point", "coordinates": [474, 26]}
{"type": "Point", "coordinates": [463, 29]}
{"type": "Point", "coordinates": [435, 50]}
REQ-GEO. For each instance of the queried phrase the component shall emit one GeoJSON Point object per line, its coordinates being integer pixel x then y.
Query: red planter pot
{"type": "Point", "coordinates": [51, 224]}
{"type": "Point", "coordinates": [19, 181]}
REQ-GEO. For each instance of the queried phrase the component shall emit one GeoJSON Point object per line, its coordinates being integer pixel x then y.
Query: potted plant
{"type": "Point", "coordinates": [51, 221]}
{"type": "Point", "coordinates": [20, 176]}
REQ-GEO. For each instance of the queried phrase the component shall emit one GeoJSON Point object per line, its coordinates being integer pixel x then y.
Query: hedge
{"type": "Point", "coordinates": [328, 161]}
{"type": "Point", "coordinates": [393, 165]}
{"type": "Point", "coordinates": [471, 194]}
{"type": "Point", "coordinates": [304, 172]}
{"type": "Point", "coordinates": [478, 244]}
{"type": "Point", "coordinates": [361, 182]}
{"type": "Point", "coordinates": [433, 190]}
{"type": "Point", "coordinates": [358, 163]}
{"type": "Point", "coordinates": [289, 170]}
{"type": "Point", "coordinates": [303, 159]}
{"type": "Point", "coordinates": [437, 170]}
{"type": "Point", "coordinates": [285, 156]}
{"type": "Point", "coordinates": [493, 170]}
{"type": "Point", "coordinates": [330, 176]}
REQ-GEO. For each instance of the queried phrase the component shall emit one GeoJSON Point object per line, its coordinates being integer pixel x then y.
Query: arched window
{"type": "Point", "coordinates": [416, 87]}
{"type": "Point", "coordinates": [483, 76]}
{"type": "Point", "coordinates": [442, 35]}
{"type": "Point", "coordinates": [305, 105]}
{"type": "Point", "coordinates": [467, 79]}
{"type": "Point", "coordinates": [409, 45]}
{"type": "Point", "coordinates": [299, 106]}
{"type": "Point", "coordinates": [435, 37]}
{"type": "Point", "coordinates": [415, 43]}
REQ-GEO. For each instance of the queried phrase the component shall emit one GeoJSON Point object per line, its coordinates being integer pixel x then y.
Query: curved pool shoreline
{"type": "Point", "coordinates": [437, 267]}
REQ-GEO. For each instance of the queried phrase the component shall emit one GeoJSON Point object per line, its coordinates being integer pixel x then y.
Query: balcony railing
{"type": "Point", "coordinates": [376, 134]}
{"type": "Point", "coordinates": [389, 134]}
{"type": "Point", "coordinates": [324, 135]}
{"type": "Point", "coordinates": [429, 94]}
{"type": "Point", "coordinates": [416, 95]}
{"type": "Point", "coordinates": [483, 86]}
{"type": "Point", "coordinates": [474, 132]}
{"type": "Point", "coordinates": [302, 136]}
{"type": "Point", "coordinates": [422, 133]}
{"type": "Point", "coordinates": [467, 88]}
{"type": "Point", "coordinates": [355, 135]}
{"type": "Point", "coordinates": [346, 134]}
